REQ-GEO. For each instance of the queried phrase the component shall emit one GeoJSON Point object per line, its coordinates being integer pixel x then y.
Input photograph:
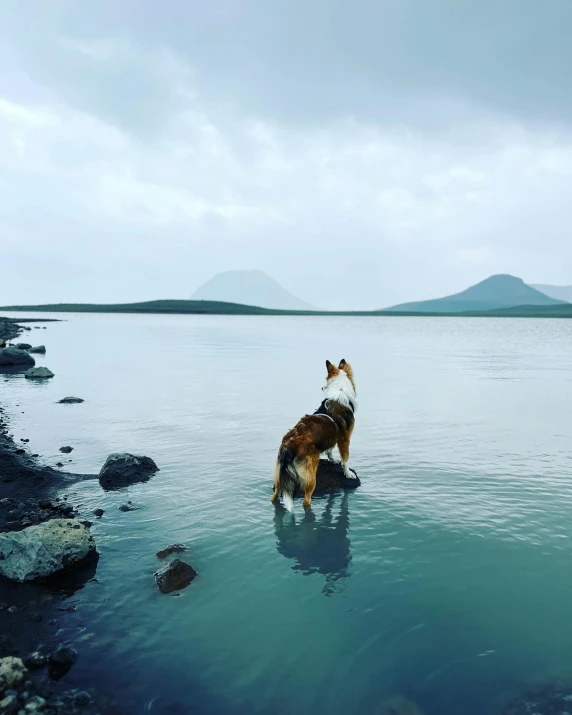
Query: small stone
{"type": "Point", "coordinates": [99, 512]}
{"type": "Point", "coordinates": [127, 507]}
{"type": "Point", "coordinates": [36, 660]}
{"type": "Point", "coordinates": [35, 704]}
{"type": "Point", "coordinates": [70, 401]}
{"type": "Point", "coordinates": [82, 698]}
{"type": "Point", "coordinates": [86, 523]}
{"type": "Point", "coordinates": [64, 656]}
{"type": "Point", "coordinates": [59, 464]}
{"type": "Point", "coordinates": [171, 549]}
{"type": "Point", "coordinates": [20, 451]}
{"type": "Point", "coordinates": [174, 576]}
{"type": "Point", "coordinates": [23, 346]}
{"type": "Point", "coordinates": [38, 373]}
{"type": "Point", "coordinates": [45, 504]}
{"type": "Point", "coordinates": [38, 349]}
{"type": "Point", "coordinates": [13, 609]}
{"type": "Point", "coordinates": [9, 704]}
{"type": "Point", "coordinates": [66, 450]}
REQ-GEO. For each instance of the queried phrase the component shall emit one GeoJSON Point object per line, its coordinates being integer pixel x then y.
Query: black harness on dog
{"type": "Point", "coordinates": [323, 410]}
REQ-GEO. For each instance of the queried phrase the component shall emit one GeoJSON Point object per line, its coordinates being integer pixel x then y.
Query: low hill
{"type": "Point", "coordinates": [249, 288]}
{"type": "Point", "coordinates": [557, 292]}
{"type": "Point", "coordinates": [500, 291]}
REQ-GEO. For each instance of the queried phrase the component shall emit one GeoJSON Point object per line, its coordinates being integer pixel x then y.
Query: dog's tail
{"type": "Point", "coordinates": [288, 476]}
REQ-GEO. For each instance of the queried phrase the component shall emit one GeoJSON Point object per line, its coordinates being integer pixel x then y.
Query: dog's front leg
{"type": "Point", "coordinates": [344, 447]}
{"type": "Point", "coordinates": [331, 458]}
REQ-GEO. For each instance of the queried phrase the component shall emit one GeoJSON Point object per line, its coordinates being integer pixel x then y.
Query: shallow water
{"type": "Point", "coordinates": [445, 578]}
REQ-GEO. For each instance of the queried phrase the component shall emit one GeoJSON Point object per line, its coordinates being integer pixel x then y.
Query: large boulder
{"type": "Point", "coordinates": [174, 576]}
{"type": "Point", "coordinates": [38, 373]}
{"type": "Point", "coordinates": [13, 356]}
{"type": "Point", "coordinates": [121, 469]}
{"type": "Point", "coordinates": [40, 551]}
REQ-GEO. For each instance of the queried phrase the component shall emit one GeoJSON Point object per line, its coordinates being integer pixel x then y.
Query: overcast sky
{"type": "Point", "coordinates": [362, 153]}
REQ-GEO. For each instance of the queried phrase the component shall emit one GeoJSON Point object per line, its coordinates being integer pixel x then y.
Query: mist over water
{"type": "Point", "coordinates": [445, 578]}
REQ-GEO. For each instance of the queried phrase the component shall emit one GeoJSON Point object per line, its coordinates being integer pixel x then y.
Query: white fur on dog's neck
{"type": "Point", "coordinates": [340, 389]}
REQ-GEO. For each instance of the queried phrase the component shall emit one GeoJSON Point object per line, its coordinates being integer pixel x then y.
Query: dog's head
{"type": "Point", "coordinates": [334, 372]}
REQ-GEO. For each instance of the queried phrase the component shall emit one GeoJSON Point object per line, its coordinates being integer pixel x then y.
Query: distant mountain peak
{"type": "Point", "coordinates": [249, 287]}
{"type": "Point", "coordinates": [496, 291]}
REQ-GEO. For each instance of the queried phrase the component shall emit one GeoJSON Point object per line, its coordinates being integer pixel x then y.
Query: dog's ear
{"type": "Point", "coordinates": [342, 364]}
{"type": "Point", "coordinates": [332, 369]}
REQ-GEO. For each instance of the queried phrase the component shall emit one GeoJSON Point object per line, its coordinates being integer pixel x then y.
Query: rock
{"type": "Point", "coordinates": [45, 504]}
{"type": "Point", "coordinates": [99, 512]}
{"type": "Point", "coordinates": [64, 656]}
{"type": "Point", "coordinates": [23, 346]}
{"type": "Point", "coordinates": [38, 373]}
{"type": "Point", "coordinates": [331, 476]}
{"type": "Point", "coordinates": [13, 356]}
{"type": "Point", "coordinates": [12, 672]}
{"type": "Point", "coordinates": [66, 450]}
{"type": "Point", "coordinates": [70, 401]}
{"type": "Point", "coordinates": [36, 660]}
{"type": "Point", "coordinates": [42, 550]}
{"type": "Point", "coordinates": [35, 704]}
{"type": "Point", "coordinates": [38, 349]}
{"type": "Point", "coordinates": [174, 576]}
{"type": "Point", "coordinates": [171, 549]}
{"type": "Point", "coordinates": [86, 523]}
{"type": "Point", "coordinates": [122, 469]}
{"type": "Point", "coordinates": [9, 704]}
{"type": "Point", "coordinates": [127, 507]}
{"type": "Point", "coordinates": [2, 343]}
{"type": "Point", "coordinates": [82, 698]}
{"type": "Point", "coordinates": [59, 464]}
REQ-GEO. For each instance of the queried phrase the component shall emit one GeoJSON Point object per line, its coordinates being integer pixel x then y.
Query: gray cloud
{"type": "Point", "coordinates": [361, 153]}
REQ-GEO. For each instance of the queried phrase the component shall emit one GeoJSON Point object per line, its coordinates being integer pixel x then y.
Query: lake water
{"type": "Point", "coordinates": [446, 578]}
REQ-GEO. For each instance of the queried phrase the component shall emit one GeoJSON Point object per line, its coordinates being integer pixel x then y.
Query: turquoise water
{"type": "Point", "coordinates": [446, 578]}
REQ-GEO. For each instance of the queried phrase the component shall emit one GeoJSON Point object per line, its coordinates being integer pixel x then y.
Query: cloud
{"type": "Point", "coordinates": [103, 202]}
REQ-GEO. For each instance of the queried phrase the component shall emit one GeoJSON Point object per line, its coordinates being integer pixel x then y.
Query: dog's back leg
{"type": "Point", "coordinates": [344, 447]}
{"type": "Point", "coordinates": [276, 482]}
{"type": "Point", "coordinates": [307, 469]}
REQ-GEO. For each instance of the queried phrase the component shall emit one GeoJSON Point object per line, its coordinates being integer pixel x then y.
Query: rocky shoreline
{"type": "Point", "coordinates": [33, 659]}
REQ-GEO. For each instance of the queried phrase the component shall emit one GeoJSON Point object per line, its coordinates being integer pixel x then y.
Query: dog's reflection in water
{"type": "Point", "coordinates": [317, 545]}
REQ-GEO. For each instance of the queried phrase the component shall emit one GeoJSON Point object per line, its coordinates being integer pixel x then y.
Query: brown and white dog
{"type": "Point", "coordinates": [332, 424]}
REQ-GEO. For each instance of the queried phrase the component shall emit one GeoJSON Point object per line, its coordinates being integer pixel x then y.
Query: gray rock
{"type": "Point", "coordinates": [9, 704]}
{"type": "Point", "coordinates": [42, 550]}
{"type": "Point", "coordinates": [12, 672]}
{"type": "Point", "coordinates": [38, 373]}
{"type": "Point", "coordinates": [13, 356]}
{"type": "Point", "coordinates": [38, 349]}
{"type": "Point", "coordinates": [64, 656]}
{"type": "Point", "coordinates": [70, 401]}
{"type": "Point", "coordinates": [35, 704]}
{"type": "Point", "coordinates": [82, 698]}
{"type": "Point", "coordinates": [23, 346]}
{"type": "Point", "coordinates": [122, 469]}
{"type": "Point", "coordinates": [66, 450]}
{"type": "Point", "coordinates": [174, 576]}
{"type": "Point", "coordinates": [36, 660]}
{"type": "Point", "coordinates": [99, 512]}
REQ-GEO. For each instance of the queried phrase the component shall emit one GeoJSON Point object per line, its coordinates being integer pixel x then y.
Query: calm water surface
{"type": "Point", "coordinates": [446, 578]}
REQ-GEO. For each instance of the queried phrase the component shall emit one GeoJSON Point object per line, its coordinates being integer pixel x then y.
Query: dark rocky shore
{"type": "Point", "coordinates": [31, 614]}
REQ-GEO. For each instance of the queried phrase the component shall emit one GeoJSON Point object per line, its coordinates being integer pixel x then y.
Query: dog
{"type": "Point", "coordinates": [331, 424]}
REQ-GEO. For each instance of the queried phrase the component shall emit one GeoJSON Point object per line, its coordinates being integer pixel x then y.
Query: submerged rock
{"type": "Point", "coordinates": [122, 469]}
{"type": "Point", "coordinates": [38, 373]}
{"type": "Point", "coordinates": [41, 349]}
{"type": "Point", "coordinates": [70, 401]}
{"type": "Point", "coordinates": [40, 551]}
{"type": "Point", "coordinates": [174, 576]}
{"type": "Point", "coordinates": [171, 549]}
{"type": "Point", "coordinates": [13, 356]}
{"type": "Point", "coordinates": [66, 450]}
{"type": "Point", "coordinates": [23, 346]}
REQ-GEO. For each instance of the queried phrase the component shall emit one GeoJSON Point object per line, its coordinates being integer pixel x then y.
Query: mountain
{"type": "Point", "coordinates": [500, 291]}
{"type": "Point", "coordinates": [249, 288]}
{"type": "Point", "coordinates": [557, 292]}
